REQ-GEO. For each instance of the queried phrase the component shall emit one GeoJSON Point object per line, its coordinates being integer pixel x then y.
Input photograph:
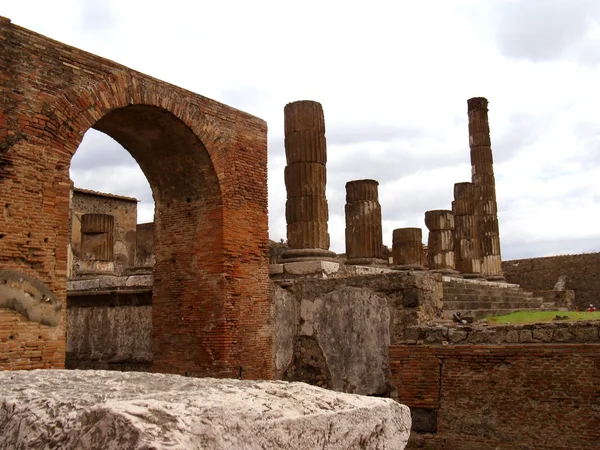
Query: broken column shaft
{"type": "Point", "coordinates": [364, 240]}
{"type": "Point", "coordinates": [306, 208]}
{"type": "Point", "coordinates": [407, 248]}
{"type": "Point", "coordinates": [97, 244]}
{"type": "Point", "coordinates": [440, 245]}
{"type": "Point", "coordinates": [466, 241]}
{"type": "Point", "coordinates": [482, 169]}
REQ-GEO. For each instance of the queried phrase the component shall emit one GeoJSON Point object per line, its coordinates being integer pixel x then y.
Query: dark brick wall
{"type": "Point", "coordinates": [206, 164]}
{"type": "Point", "coordinates": [537, 274]}
{"type": "Point", "coordinates": [522, 396]}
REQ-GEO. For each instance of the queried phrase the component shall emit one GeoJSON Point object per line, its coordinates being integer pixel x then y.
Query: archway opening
{"type": "Point", "coordinates": [172, 305]}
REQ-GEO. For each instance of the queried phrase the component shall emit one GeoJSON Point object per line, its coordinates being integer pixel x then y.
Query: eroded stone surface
{"type": "Point", "coordinates": [101, 409]}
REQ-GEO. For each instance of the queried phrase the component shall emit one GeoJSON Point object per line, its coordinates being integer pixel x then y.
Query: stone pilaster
{"type": "Point", "coordinates": [482, 169]}
{"type": "Point", "coordinates": [364, 240]}
{"type": "Point", "coordinates": [466, 240]}
{"type": "Point", "coordinates": [97, 244]}
{"type": "Point", "coordinates": [440, 245]}
{"type": "Point", "coordinates": [306, 209]}
{"type": "Point", "coordinates": [407, 248]}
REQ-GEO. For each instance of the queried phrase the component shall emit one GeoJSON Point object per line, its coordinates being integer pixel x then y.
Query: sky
{"type": "Point", "coordinates": [393, 77]}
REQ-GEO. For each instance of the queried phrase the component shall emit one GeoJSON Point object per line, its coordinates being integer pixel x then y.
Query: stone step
{"type": "Point", "coordinates": [483, 313]}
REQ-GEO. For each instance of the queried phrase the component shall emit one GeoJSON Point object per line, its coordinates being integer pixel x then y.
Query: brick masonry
{"type": "Point", "coordinates": [582, 274]}
{"type": "Point", "coordinates": [207, 165]}
{"type": "Point", "coordinates": [520, 396]}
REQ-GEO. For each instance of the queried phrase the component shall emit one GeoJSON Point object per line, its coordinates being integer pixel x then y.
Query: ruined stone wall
{"type": "Point", "coordinates": [335, 332]}
{"type": "Point", "coordinates": [518, 396]}
{"type": "Point", "coordinates": [124, 211]}
{"type": "Point", "coordinates": [581, 274]}
{"type": "Point", "coordinates": [109, 337]}
{"type": "Point", "coordinates": [144, 249]}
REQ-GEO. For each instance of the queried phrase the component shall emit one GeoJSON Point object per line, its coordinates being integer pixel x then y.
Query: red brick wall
{"type": "Point", "coordinates": [207, 166]}
{"type": "Point", "coordinates": [29, 345]}
{"type": "Point", "coordinates": [518, 396]}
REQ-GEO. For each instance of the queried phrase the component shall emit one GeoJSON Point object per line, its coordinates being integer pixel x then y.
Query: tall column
{"type": "Point", "coordinates": [482, 169]}
{"type": "Point", "coordinates": [407, 248]}
{"type": "Point", "coordinates": [364, 239]}
{"type": "Point", "coordinates": [306, 208]}
{"type": "Point", "coordinates": [97, 245]}
{"type": "Point", "coordinates": [466, 240]}
{"type": "Point", "coordinates": [440, 245]}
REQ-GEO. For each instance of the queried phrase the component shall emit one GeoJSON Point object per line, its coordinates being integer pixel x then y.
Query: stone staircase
{"type": "Point", "coordinates": [479, 299]}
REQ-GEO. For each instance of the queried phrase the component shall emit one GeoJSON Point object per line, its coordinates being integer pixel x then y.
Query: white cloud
{"type": "Point", "coordinates": [393, 77]}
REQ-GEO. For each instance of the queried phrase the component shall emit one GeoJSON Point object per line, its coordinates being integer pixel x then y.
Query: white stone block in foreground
{"type": "Point", "coordinates": [133, 410]}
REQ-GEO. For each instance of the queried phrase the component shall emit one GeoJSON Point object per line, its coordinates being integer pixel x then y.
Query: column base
{"type": "Point", "coordinates": [473, 276]}
{"type": "Point", "coordinates": [495, 278]}
{"type": "Point", "coordinates": [407, 267]}
{"type": "Point", "coordinates": [447, 272]}
{"type": "Point", "coordinates": [307, 254]}
{"type": "Point", "coordinates": [366, 262]}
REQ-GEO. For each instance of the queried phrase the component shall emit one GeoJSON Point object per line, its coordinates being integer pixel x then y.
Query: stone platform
{"type": "Point", "coordinates": [101, 409]}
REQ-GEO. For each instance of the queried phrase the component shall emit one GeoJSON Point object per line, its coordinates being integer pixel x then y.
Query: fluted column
{"type": "Point", "coordinates": [482, 169]}
{"type": "Point", "coordinates": [466, 241]}
{"type": "Point", "coordinates": [306, 208]}
{"type": "Point", "coordinates": [407, 248]}
{"type": "Point", "coordinates": [440, 245]}
{"type": "Point", "coordinates": [97, 244]}
{"type": "Point", "coordinates": [364, 240]}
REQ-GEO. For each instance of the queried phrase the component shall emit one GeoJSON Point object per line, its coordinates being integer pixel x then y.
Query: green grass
{"type": "Point", "coordinates": [543, 316]}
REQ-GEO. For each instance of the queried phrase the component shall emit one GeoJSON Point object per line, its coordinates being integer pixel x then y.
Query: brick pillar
{"type": "Point", "coordinates": [466, 240]}
{"type": "Point", "coordinates": [97, 245]}
{"type": "Point", "coordinates": [364, 239]}
{"type": "Point", "coordinates": [306, 208]}
{"type": "Point", "coordinates": [440, 245]}
{"type": "Point", "coordinates": [407, 248]}
{"type": "Point", "coordinates": [482, 169]}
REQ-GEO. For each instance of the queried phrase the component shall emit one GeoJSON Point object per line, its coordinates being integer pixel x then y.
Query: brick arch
{"type": "Point", "coordinates": [206, 164]}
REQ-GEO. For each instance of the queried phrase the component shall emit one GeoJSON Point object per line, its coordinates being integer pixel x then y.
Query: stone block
{"type": "Point", "coordinates": [275, 269]}
{"type": "Point", "coordinates": [320, 268]}
{"type": "Point", "coordinates": [69, 409]}
{"type": "Point", "coordinates": [139, 280]}
{"type": "Point", "coordinates": [83, 285]}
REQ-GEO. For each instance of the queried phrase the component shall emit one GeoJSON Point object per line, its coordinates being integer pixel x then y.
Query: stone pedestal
{"type": "Point", "coordinates": [364, 240]}
{"type": "Point", "coordinates": [485, 188]}
{"type": "Point", "coordinates": [306, 208]}
{"type": "Point", "coordinates": [440, 245]}
{"type": "Point", "coordinates": [97, 245]}
{"type": "Point", "coordinates": [466, 240]}
{"type": "Point", "coordinates": [407, 248]}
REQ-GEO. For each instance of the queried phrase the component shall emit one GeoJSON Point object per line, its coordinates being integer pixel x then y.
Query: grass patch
{"type": "Point", "coordinates": [543, 316]}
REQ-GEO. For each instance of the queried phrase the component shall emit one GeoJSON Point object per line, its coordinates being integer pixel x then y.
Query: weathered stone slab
{"type": "Point", "coordinates": [127, 410]}
{"type": "Point", "coordinates": [139, 280]}
{"type": "Point", "coordinates": [275, 269]}
{"type": "Point", "coordinates": [323, 268]}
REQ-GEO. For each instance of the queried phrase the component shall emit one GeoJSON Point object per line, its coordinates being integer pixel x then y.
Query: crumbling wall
{"type": "Point", "coordinates": [124, 211]}
{"type": "Point", "coordinates": [144, 251]}
{"type": "Point", "coordinates": [580, 273]}
{"type": "Point", "coordinates": [109, 337]}
{"type": "Point", "coordinates": [516, 396]}
{"type": "Point", "coordinates": [336, 332]}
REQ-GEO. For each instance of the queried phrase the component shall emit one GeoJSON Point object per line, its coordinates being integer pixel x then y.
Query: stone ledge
{"type": "Point", "coordinates": [124, 410]}
{"type": "Point", "coordinates": [313, 269]}
{"type": "Point", "coordinates": [110, 283]}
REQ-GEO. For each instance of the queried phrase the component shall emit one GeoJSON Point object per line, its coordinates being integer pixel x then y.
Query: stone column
{"type": "Point", "coordinates": [407, 248]}
{"type": "Point", "coordinates": [306, 208]}
{"type": "Point", "coordinates": [364, 239]}
{"type": "Point", "coordinates": [466, 240]}
{"type": "Point", "coordinates": [97, 245]}
{"type": "Point", "coordinates": [482, 169]}
{"type": "Point", "coordinates": [440, 245]}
